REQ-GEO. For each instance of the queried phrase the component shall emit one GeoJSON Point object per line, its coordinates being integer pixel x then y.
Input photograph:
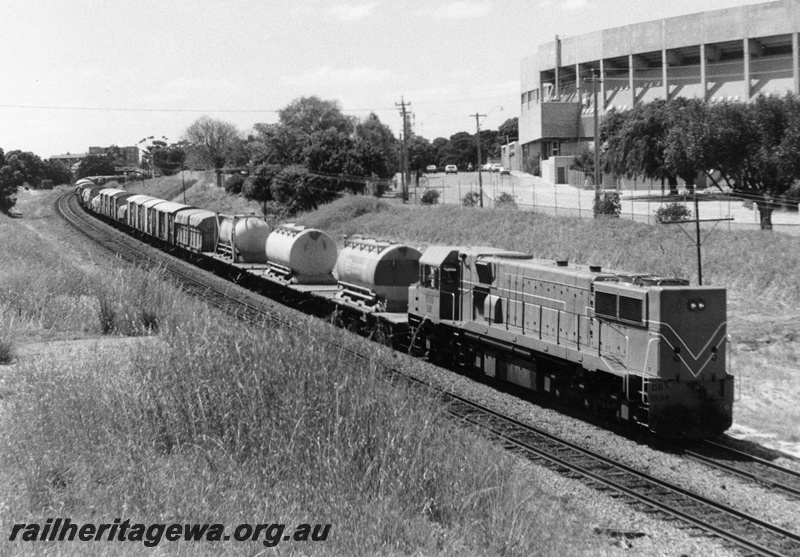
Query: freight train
{"type": "Point", "coordinates": [643, 349]}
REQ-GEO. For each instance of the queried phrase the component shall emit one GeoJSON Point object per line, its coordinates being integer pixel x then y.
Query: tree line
{"type": "Point", "coordinates": [752, 148]}
{"type": "Point", "coordinates": [310, 156]}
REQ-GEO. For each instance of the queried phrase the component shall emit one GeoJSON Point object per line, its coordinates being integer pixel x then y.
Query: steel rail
{"type": "Point", "coordinates": [502, 427]}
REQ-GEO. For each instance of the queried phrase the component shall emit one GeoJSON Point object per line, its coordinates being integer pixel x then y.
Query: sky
{"type": "Point", "coordinates": [82, 73]}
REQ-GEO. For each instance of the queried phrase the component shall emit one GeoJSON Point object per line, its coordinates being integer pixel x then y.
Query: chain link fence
{"type": "Point", "coordinates": [531, 193]}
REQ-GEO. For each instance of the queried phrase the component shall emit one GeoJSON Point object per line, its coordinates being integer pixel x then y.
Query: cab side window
{"type": "Point", "coordinates": [430, 276]}
{"type": "Point", "coordinates": [449, 274]}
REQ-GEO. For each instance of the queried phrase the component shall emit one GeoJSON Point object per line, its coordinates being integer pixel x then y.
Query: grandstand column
{"type": "Point", "coordinates": [630, 80]}
{"type": "Point", "coordinates": [664, 73]}
{"type": "Point", "coordinates": [703, 75]}
{"type": "Point", "coordinates": [602, 85]}
{"type": "Point", "coordinates": [747, 83]}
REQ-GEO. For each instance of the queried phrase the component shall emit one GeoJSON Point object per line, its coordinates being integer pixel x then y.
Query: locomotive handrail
{"type": "Point", "coordinates": [452, 306]}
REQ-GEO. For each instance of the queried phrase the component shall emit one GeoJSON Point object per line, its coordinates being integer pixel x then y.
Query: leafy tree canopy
{"type": "Point", "coordinates": [212, 142]}
{"type": "Point", "coordinates": [95, 165]}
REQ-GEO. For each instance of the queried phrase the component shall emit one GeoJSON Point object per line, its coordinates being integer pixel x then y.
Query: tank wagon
{"type": "Point", "coordinates": [300, 255]}
{"type": "Point", "coordinates": [241, 238]}
{"type": "Point", "coordinates": [643, 349]}
{"type": "Point", "coordinates": [377, 273]}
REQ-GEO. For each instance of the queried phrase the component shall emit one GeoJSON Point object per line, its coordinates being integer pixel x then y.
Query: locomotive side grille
{"type": "Point", "coordinates": [630, 309]}
{"type": "Point", "coordinates": [605, 304]}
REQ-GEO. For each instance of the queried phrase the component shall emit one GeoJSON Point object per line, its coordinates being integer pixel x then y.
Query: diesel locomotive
{"type": "Point", "coordinates": [643, 349]}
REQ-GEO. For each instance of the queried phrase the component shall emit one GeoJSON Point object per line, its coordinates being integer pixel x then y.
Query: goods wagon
{"type": "Point", "coordinates": [377, 273]}
{"type": "Point", "coordinates": [242, 238]}
{"type": "Point", "coordinates": [196, 230]}
{"type": "Point", "coordinates": [301, 255]}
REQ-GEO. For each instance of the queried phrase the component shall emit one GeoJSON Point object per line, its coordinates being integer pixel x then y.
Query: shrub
{"type": "Point", "coordinates": [505, 201]}
{"type": "Point", "coordinates": [672, 212]}
{"type": "Point", "coordinates": [234, 184]}
{"type": "Point", "coordinates": [430, 197]}
{"type": "Point", "coordinates": [608, 205]}
{"type": "Point", "coordinates": [471, 199]}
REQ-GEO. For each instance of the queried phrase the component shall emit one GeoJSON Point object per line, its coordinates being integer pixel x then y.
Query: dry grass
{"type": "Point", "coordinates": [761, 271]}
{"type": "Point", "coordinates": [209, 420]}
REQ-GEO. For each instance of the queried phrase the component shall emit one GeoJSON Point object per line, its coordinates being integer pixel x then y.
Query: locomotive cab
{"type": "Point", "coordinates": [436, 295]}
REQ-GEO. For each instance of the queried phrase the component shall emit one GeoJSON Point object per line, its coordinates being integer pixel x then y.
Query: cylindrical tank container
{"type": "Point", "coordinates": [96, 204]}
{"type": "Point", "coordinates": [243, 236]}
{"type": "Point", "coordinates": [377, 273]}
{"type": "Point", "coordinates": [301, 255]}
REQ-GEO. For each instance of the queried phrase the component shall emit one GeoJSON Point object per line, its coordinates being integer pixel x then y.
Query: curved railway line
{"type": "Point", "coordinates": [650, 494]}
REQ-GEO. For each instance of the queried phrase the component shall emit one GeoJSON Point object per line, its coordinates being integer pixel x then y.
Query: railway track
{"type": "Point", "coordinates": [750, 467]}
{"type": "Point", "coordinates": [650, 494]}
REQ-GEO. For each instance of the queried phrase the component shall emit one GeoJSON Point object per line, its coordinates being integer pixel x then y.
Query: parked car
{"type": "Point", "coordinates": [487, 167]}
{"type": "Point", "coordinates": [505, 171]}
{"type": "Point", "coordinates": [497, 167]}
{"type": "Point", "coordinates": [430, 169]}
{"type": "Point", "coordinates": [451, 169]}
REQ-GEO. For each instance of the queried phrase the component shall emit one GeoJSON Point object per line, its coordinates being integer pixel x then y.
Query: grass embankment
{"type": "Point", "coordinates": [198, 193]}
{"type": "Point", "coordinates": [207, 420]}
{"type": "Point", "coordinates": [761, 271]}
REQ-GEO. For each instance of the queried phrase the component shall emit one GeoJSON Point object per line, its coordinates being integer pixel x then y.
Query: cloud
{"type": "Point", "coordinates": [351, 12]}
{"type": "Point", "coordinates": [462, 10]}
{"type": "Point", "coordinates": [338, 76]}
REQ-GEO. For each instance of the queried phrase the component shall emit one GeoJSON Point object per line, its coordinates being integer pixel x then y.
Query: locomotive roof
{"type": "Point", "coordinates": [436, 255]}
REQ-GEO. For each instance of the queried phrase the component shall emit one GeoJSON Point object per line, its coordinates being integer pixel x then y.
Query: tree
{"type": "Point", "coordinates": [7, 188]}
{"type": "Point", "coordinates": [275, 144]}
{"type": "Point", "coordinates": [421, 153]}
{"type": "Point", "coordinates": [299, 190]}
{"type": "Point", "coordinates": [633, 143]}
{"type": "Point", "coordinates": [57, 172]}
{"type": "Point", "coordinates": [382, 157]}
{"type": "Point", "coordinates": [95, 165]}
{"type": "Point", "coordinates": [509, 130]}
{"type": "Point", "coordinates": [258, 185]}
{"type": "Point", "coordinates": [168, 159]}
{"type": "Point", "coordinates": [212, 141]}
{"type": "Point", "coordinates": [16, 169]}
{"type": "Point", "coordinates": [686, 146]}
{"type": "Point", "coordinates": [308, 115]}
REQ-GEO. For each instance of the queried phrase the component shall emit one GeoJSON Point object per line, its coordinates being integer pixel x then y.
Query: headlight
{"type": "Point", "coordinates": [696, 305]}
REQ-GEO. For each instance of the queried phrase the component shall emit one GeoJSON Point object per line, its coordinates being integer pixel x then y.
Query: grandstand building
{"type": "Point", "coordinates": [733, 54]}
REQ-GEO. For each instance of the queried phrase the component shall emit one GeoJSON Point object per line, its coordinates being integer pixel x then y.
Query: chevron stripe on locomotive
{"type": "Point", "coordinates": [641, 348]}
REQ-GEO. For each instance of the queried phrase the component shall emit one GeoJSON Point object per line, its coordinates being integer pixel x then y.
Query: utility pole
{"type": "Point", "coordinates": [402, 106]}
{"type": "Point", "coordinates": [478, 141]}
{"type": "Point", "coordinates": [596, 144]}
